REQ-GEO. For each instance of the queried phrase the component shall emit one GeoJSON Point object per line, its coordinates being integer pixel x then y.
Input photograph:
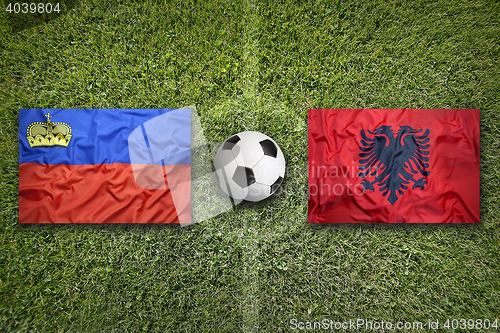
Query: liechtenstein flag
{"type": "Point", "coordinates": [104, 166]}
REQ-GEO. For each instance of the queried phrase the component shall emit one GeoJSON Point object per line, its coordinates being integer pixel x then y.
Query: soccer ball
{"type": "Point", "coordinates": [250, 166]}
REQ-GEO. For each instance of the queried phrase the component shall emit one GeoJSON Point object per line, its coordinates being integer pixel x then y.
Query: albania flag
{"type": "Point", "coordinates": [393, 166]}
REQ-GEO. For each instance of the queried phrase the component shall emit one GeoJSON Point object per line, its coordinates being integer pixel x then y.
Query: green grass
{"type": "Point", "coordinates": [250, 66]}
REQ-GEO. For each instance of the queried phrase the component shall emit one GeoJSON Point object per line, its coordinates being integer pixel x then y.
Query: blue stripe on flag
{"type": "Point", "coordinates": [103, 136]}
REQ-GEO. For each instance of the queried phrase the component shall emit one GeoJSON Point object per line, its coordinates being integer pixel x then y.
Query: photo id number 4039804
{"type": "Point", "coordinates": [32, 8]}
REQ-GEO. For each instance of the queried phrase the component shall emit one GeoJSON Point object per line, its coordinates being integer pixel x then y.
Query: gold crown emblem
{"type": "Point", "coordinates": [48, 134]}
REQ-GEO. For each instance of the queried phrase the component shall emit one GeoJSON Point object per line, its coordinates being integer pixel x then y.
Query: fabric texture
{"type": "Point", "coordinates": [119, 166]}
{"type": "Point", "coordinates": [393, 165]}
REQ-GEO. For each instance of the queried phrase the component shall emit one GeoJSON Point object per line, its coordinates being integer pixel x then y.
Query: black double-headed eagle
{"type": "Point", "coordinates": [393, 160]}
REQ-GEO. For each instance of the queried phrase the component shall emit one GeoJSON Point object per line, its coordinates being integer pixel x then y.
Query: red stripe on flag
{"type": "Point", "coordinates": [104, 193]}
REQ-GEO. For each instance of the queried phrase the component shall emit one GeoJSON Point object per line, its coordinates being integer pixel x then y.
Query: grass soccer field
{"type": "Point", "coordinates": [250, 65]}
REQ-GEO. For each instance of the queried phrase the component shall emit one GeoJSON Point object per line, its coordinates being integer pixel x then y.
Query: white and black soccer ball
{"type": "Point", "coordinates": [250, 166]}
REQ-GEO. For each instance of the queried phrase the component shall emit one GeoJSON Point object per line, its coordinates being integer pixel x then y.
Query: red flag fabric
{"type": "Point", "coordinates": [393, 166]}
